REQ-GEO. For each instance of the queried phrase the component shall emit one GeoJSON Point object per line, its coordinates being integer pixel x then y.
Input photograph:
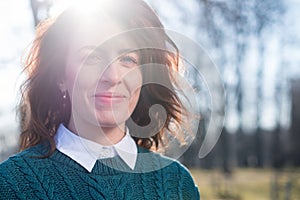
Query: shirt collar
{"type": "Point", "coordinates": [86, 152]}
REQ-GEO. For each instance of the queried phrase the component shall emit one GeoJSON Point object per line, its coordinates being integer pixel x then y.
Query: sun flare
{"type": "Point", "coordinates": [85, 5]}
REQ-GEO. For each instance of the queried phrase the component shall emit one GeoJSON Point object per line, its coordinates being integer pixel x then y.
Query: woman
{"type": "Point", "coordinates": [93, 77]}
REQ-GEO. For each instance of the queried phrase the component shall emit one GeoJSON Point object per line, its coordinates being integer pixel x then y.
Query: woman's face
{"type": "Point", "coordinates": [102, 77]}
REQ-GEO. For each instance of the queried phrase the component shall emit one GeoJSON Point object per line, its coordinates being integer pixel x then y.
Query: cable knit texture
{"type": "Point", "coordinates": [28, 176]}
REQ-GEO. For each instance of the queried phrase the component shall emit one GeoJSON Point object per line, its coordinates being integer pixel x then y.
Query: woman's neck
{"type": "Point", "coordinates": [102, 135]}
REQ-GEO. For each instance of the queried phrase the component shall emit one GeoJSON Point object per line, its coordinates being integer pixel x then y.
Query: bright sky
{"type": "Point", "coordinates": [16, 32]}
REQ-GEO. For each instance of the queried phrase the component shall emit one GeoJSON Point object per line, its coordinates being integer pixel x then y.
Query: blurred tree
{"type": "Point", "coordinates": [295, 128]}
{"type": "Point", "coordinates": [266, 14]}
{"type": "Point", "coordinates": [277, 153]}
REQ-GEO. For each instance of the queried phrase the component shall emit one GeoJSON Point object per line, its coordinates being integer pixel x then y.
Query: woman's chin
{"type": "Point", "coordinates": [111, 120]}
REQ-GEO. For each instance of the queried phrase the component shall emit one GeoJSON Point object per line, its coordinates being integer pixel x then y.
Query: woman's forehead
{"type": "Point", "coordinates": [102, 35]}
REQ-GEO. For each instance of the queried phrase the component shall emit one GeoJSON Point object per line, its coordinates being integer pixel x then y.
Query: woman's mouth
{"type": "Point", "coordinates": [109, 98]}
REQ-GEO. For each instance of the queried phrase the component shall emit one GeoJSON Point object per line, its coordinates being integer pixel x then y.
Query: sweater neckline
{"type": "Point", "coordinates": [147, 161]}
{"type": "Point", "coordinates": [107, 166]}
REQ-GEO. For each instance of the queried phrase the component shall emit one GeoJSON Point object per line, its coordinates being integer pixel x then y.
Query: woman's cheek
{"type": "Point", "coordinates": [81, 76]}
{"type": "Point", "coordinates": [134, 80]}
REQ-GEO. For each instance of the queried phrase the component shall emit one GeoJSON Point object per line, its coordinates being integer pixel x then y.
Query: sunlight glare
{"type": "Point", "coordinates": [85, 5]}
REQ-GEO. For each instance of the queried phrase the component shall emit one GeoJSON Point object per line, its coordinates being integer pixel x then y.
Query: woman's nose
{"type": "Point", "coordinates": [112, 73]}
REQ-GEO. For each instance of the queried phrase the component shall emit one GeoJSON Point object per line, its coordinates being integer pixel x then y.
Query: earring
{"type": "Point", "coordinates": [64, 99]}
{"type": "Point", "coordinates": [64, 94]}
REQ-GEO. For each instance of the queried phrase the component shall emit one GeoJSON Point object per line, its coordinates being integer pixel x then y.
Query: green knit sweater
{"type": "Point", "coordinates": [28, 176]}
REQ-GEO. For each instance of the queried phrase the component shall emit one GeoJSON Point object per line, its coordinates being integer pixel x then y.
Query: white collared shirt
{"type": "Point", "coordinates": [86, 152]}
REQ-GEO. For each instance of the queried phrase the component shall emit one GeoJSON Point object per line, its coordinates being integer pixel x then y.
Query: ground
{"type": "Point", "coordinates": [248, 184]}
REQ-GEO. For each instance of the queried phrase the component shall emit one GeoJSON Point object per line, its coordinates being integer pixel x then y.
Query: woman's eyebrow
{"type": "Point", "coordinates": [128, 50]}
{"type": "Point", "coordinates": [92, 48]}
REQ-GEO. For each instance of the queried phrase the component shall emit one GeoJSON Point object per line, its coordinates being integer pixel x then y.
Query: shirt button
{"type": "Point", "coordinates": [106, 152]}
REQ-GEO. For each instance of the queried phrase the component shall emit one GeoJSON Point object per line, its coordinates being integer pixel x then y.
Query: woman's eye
{"type": "Point", "coordinates": [128, 60]}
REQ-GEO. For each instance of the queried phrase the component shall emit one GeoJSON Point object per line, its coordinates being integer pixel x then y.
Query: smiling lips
{"type": "Point", "coordinates": [108, 98]}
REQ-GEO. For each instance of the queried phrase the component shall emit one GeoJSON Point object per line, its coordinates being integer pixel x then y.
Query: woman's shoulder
{"type": "Point", "coordinates": [21, 159]}
{"type": "Point", "coordinates": [20, 171]}
{"type": "Point", "coordinates": [165, 162]}
{"type": "Point", "coordinates": [174, 173]}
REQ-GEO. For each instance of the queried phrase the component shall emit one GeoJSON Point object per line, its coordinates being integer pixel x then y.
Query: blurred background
{"type": "Point", "coordinates": [256, 47]}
